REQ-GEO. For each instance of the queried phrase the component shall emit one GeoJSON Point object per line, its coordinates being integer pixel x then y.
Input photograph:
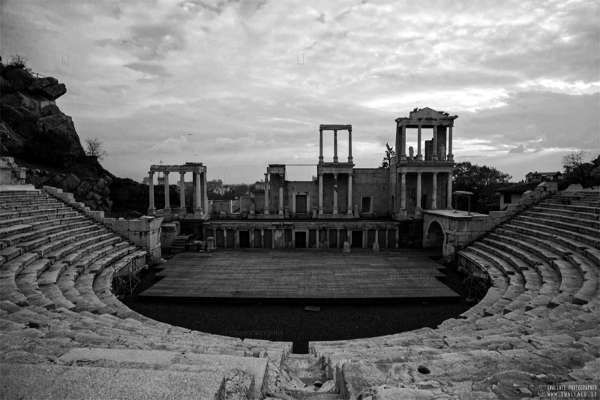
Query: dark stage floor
{"type": "Point", "coordinates": [301, 274]}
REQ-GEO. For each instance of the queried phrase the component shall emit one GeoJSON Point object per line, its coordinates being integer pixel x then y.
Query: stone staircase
{"type": "Point", "coordinates": [538, 324]}
{"type": "Point", "coordinates": [56, 301]}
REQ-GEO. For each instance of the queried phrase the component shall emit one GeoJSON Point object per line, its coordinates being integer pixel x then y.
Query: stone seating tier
{"type": "Point", "coordinates": [539, 322]}
{"type": "Point", "coordinates": [56, 269]}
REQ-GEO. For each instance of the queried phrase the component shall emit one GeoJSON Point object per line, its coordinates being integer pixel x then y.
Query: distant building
{"type": "Point", "coordinates": [538, 177]}
{"type": "Point", "coordinates": [511, 194]}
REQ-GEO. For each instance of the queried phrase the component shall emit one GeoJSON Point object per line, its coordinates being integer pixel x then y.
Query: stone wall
{"type": "Point", "coordinates": [10, 172]}
{"type": "Point", "coordinates": [460, 228]}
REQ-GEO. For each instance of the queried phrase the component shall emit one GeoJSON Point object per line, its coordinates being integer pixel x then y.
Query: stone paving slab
{"type": "Point", "coordinates": [301, 274]}
{"type": "Point", "coordinates": [172, 360]}
{"type": "Point", "coordinates": [43, 381]}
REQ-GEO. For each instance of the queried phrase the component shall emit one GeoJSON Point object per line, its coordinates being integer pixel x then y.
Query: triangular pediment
{"type": "Point", "coordinates": [428, 113]}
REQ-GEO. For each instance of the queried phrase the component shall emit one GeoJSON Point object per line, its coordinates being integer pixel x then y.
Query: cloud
{"type": "Point", "coordinates": [252, 80]}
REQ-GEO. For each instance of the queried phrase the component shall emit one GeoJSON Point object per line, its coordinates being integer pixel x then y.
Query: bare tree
{"type": "Point", "coordinates": [94, 147]}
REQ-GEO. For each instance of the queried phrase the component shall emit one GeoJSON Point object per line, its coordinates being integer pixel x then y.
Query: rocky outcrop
{"type": "Point", "coordinates": [42, 138]}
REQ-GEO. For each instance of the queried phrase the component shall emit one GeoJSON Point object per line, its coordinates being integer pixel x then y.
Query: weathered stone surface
{"type": "Point", "coordinates": [237, 385]}
{"type": "Point", "coordinates": [47, 87]}
{"type": "Point", "coordinates": [42, 381]}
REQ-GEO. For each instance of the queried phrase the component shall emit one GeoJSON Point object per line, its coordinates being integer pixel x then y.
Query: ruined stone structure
{"type": "Point", "coordinates": [200, 198]}
{"type": "Point", "coordinates": [366, 207]}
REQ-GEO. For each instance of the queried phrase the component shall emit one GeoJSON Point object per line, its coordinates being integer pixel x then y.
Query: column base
{"type": "Point", "coordinates": [420, 157]}
{"type": "Point", "coordinates": [451, 157]}
{"type": "Point", "coordinates": [349, 212]}
{"type": "Point", "coordinates": [320, 211]}
{"type": "Point", "coordinates": [335, 212]}
{"type": "Point", "coordinates": [280, 212]}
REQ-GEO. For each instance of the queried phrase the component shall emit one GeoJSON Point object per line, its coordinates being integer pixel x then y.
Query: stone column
{"type": "Point", "coordinates": [262, 238]}
{"type": "Point", "coordinates": [450, 155]}
{"type": "Point", "coordinates": [419, 194]}
{"type": "Point", "coordinates": [402, 152]}
{"type": "Point", "coordinates": [205, 194]}
{"type": "Point", "coordinates": [166, 184]}
{"type": "Point", "coordinates": [434, 156]}
{"type": "Point", "coordinates": [251, 237]}
{"type": "Point", "coordinates": [449, 193]}
{"type": "Point", "coordinates": [320, 194]}
{"type": "Point", "coordinates": [434, 193]}
{"type": "Point", "coordinates": [266, 194]}
{"type": "Point", "coordinates": [349, 212]}
{"type": "Point", "coordinates": [236, 238]}
{"type": "Point", "coordinates": [197, 192]}
{"type": "Point", "coordinates": [337, 238]}
{"type": "Point", "coordinates": [320, 145]}
{"type": "Point", "coordinates": [151, 208]}
{"type": "Point", "coordinates": [349, 145]}
{"type": "Point", "coordinates": [403, 191]}
{"type": "Point", "coordinates": [224, 238]}
{"type": "Point", "coordinates": [280, 199]}
{"type": "Point", "coordinates": [397, 244]}
{"type": "Point", "coordinates": [335, 195]}
{"type": "Point", "coordinates": [182, 191]}
{"type": "Point", "coordinates": [293, 202]}
{"type": "Point", "coordinates": [419, 154]}
{"type": "Point", "coordinates": [318, 244]}
{"type": "Point", "coordinates": [365, 238]}
{"type": "Point", "coordinates": [377, 236]}
{"type": "Point", "coordinates": [335, 156]}
{"type": "Point", "coordinates": [387, 238]}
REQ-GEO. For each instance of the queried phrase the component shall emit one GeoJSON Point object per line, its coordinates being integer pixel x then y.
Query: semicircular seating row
{"type": "Point", "coordinates": [56, 270]}
{"type": "Point", "coordinates": [539, 322]}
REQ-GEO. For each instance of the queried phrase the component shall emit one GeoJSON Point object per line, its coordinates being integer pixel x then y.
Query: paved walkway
{"type": "Point", "coordinates": [297, 274]}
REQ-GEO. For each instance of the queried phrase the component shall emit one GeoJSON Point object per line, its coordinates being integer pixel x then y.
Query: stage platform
{"type": "Point", "coordinates": [301, 274]}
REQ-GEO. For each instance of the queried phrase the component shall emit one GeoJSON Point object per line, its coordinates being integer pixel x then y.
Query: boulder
{"type": "Point", "coordinates": [58, 131]}
{"type": "Point", "coordinates": [70, 183]}
{"type": "Point", "coordinates": [50, 109]}
{"type": "Point", "coordinates": [47, 87]}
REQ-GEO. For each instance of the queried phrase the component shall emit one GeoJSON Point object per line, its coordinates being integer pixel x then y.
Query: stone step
{"type": "Point", "coordinates": [92, 237]}
{"type": "Point", "coordinates": [70, 240]}
{"type": "Point", "coordinates": [555, 209]}
{"type": "Point", "coordinates": [553, 222]}
{"type": "Point", "coordinates": [8, 253]}
{"type": "Point", "coordinates": [76, 256]}
{"type": "Point", "coordinates": [45, 232]}
{"type": "Point", "coordinates": [27, 283]}
{"type": "Point", "coordinates": [577, 208]}
{"type": "Point", "coordinates": [558, 234]}
{"type": "Point", "coordinates": [48, 381]}
{"type": "Point", "coordinates": [27, 213]}
{"type": "Point", "coordinates": [571, 219]}
{"type": "Point", "coordinates": [14, 230]}
{"type": "Point", "coordinates": [153, 360]}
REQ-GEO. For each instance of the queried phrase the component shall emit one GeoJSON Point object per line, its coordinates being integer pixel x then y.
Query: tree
{"type": "Point", "coordinates": [389, 154]}
{"type": "Point", "coordinates": [578, 171]}
{"type": "Point", "coordinates": [95, 148]}
{"type": "Point", "coordinates": [483, 181]}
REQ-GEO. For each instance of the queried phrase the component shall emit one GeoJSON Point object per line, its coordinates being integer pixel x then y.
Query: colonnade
{"type": "Point", "coordinates": [200, 189]}
{"type": "Point", "coordinates": [434, 193]}
{"type": "Point", "coordinates": [335, 194]}
{"type": "Point", "coordinates": [322, 236]}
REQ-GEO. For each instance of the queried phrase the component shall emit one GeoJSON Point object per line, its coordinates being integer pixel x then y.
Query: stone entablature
{"type": "Point", "coordinates": [436, 149]}
{"type": "Point", "coordinates": [200, 196]}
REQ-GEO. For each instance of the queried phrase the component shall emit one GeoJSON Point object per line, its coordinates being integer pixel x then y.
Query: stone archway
{"type": "Point", "coordinates": [434, 236]}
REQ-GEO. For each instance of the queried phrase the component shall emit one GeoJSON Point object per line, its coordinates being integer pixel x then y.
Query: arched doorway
{"type": "Point", "coordinates": [434, 237]}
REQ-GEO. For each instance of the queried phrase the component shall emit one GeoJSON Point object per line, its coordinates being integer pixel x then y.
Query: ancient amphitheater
{"type": "Point", "coordinates": [65, 335]}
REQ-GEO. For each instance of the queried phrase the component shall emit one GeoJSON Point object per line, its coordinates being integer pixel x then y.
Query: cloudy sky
{"type": "Point", "coordinates": [239, 84]}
